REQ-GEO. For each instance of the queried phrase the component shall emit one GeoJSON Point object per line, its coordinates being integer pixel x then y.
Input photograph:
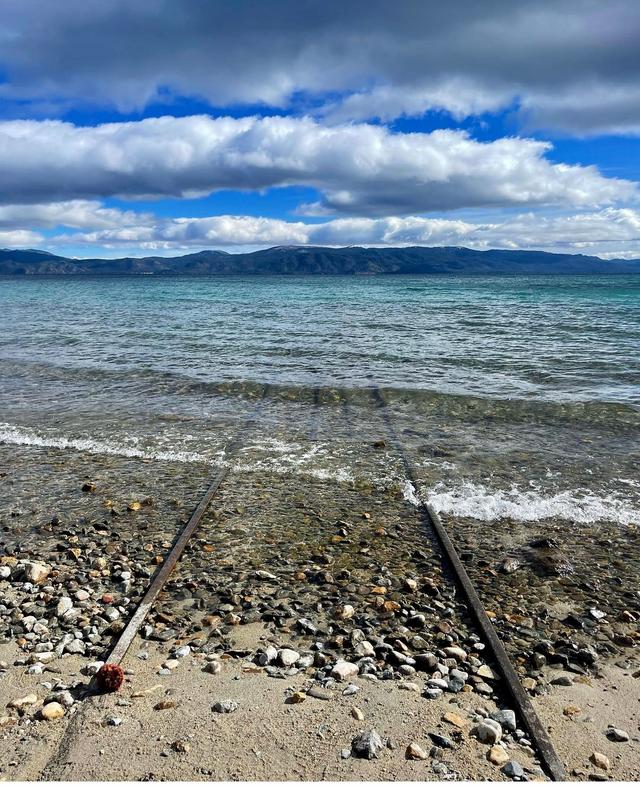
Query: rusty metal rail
{"type": "Point", "coordinates": [127, 636]}
{"type": "Point", "coordinates": [550, 759]}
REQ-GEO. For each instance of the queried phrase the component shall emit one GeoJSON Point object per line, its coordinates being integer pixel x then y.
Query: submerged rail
{"type": "Point", "coordinates": [127, 636]}
{"type": "Point", "coordinates": [541, 739]}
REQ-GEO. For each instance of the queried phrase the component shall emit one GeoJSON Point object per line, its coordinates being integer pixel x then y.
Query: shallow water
{"type": "Point", "coordinates": [516, 398]}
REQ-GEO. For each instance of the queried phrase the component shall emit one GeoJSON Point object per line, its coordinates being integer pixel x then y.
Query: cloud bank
{"type": "Point", "coordinates": [359, 169]}
{"type": "Point", "coordinates": [463, 57]}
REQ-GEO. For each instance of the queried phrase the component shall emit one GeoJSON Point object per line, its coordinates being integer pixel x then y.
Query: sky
{"type": "Point", "coordinates": [163, 127]}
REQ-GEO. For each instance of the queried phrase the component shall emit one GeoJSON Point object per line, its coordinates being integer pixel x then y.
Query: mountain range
{"type": "Point", "coordinates": [309, 260]}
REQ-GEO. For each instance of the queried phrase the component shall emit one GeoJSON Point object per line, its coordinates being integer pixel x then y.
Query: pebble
{"type": "Point", "coordinates": [488, 731]}
{"type": "Point", "coordinates": [513, 769]}
{"type": "Point", "coordinates": [25, 701]}
{"type": "Point", "coordinates": [171, 664]}
{"type": "Point", "coordinates": [114, 721]}
{"type": "Point", "coordinates": [497, 755]}
{"type": "Point", "coordinates": [350, 689]}
{"type": "Point", "coordinates": [52, 711]}
{"type": "Point", "coordinates": [600, 760]}
{"type": "Point", "coordinates": [213, 667]}
{"type": "Point", "coordinates": [432, 693]}
{"type": "Point", "coordinates": [316, 692]}
{"type": "Point", "coordinates": [297, 697]}
{"type": "Point", "coordinates": [367, 745]}
{"type": "Point", "coordinates": [440, 740]}
{"type": "Point", "coordinates": [617, 735]}
{"type": "Point", "coordinates": [288, 657]}
{"type": "Point", "coordinates": [506, 718]}
{"type": "Point", "coordinates": [564, 680]}
{"type": "Point", "coordinates": [414, 751]}
{"type": "Point", "coordinates": [344, 670]}
{"type": "Point", "coordinates": [225, 706]}
{"type": "Point", "coordinates": [357, 713]}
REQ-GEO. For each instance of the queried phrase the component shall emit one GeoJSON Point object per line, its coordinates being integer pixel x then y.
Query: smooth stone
{"type": "Point", "coordinates": [316, 692]}
{"type": "Point", "coordinates": [288, 657]}
{"type": "Point", "coordinates": [432, 693]}
{"type": "Point", "coordinates": [617, 735]}
{"type": "Point", "coordinates": [414, 751]}
{"type": "Point", "coordinates": [25, 701]}
{"type": "Point", "coordinates": [344, 670]}
{"type": "Point", "coordinates": [600, 760]}
{"type": "Point", "coordinates": [488, 731]}
{"type": "Point", "coordinates": [52, 711]}
{"type": "Point", "coordinates": [486, 673]}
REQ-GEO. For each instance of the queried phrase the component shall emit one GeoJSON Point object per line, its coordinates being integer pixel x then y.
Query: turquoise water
{"type": "Point", "coordinates": [543, 368]}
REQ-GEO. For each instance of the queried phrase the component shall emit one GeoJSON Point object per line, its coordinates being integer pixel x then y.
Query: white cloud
{"type": "Point", "coordinates": [610, 232]}
{"type": "Point", "coordinates": [20, 238]}
{"type": "Point", "coordinates": [75, 214]}
{"type": "Point", "coordinates": [359, 169]}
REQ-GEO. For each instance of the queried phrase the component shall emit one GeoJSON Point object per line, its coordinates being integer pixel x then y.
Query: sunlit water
{"type": "Point", "coordinates": [515, 397]}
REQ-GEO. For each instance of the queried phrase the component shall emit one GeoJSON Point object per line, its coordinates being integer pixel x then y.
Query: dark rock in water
{"type": "Point", "coordinates": [367, 745]}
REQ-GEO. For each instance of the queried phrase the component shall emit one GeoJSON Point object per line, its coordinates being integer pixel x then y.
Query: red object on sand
{"type": "Point", "coordinates": [110, 677]}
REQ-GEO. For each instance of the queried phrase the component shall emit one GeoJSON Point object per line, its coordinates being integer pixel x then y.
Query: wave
{"type": "Point", "coordinates": [581, 506]}
{"type": "Point", "coordinates": [14, 435]}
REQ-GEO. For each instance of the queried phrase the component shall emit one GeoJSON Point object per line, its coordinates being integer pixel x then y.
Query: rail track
{"type": "Point", "coordinates": [548, 756]}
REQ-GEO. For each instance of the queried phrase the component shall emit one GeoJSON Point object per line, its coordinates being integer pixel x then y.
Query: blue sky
{"type": "Point", "coordinates": [162, 128]}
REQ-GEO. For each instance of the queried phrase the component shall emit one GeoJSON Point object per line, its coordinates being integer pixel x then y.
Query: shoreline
{"type": "Point", "coordinates": [325, 548]}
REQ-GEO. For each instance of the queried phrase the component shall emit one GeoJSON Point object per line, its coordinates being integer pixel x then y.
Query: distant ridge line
{"type": "Point", "coordinates": [319, 260]}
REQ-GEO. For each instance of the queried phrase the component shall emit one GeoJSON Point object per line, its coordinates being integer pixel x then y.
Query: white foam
{"type": "Point", "coordinates": [15, 435]}
{"type": "Point", "coordinates": [580, 506]}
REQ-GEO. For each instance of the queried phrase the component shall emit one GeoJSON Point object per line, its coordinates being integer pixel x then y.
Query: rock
{"type": "Point", "coordinates": [488, 731]}
{"type": "Point", "coordinates": [225, 706]}
{"type": "Point", "coordinates": [506, 718]}
{"type": "Point", "coordinates": [75, 647]}
{"type": "Point", "coordinates": [36, 572]}
{"type": "Point", "coordinates": [350, 689]}
{"type": "Point", "coordinates": [264, 575]}
{"type": "Point", "coordinates": [345, 612]}
{"type": "Point", "coordinates": [367, 745]}
{"type": "Point", "coordinates": [357, 713]}
{"type": "Point", "coordinates": [432, 693]}
{"type": "Point", "coordinates": [528, 683]}
{"type": "Point", "coordinates": [25, 701]}
{"type": "Point", "coordinates": [600, 760]}
{"type": "Point", "coordinates": [288, 657]}
{"type": "Point", "coordinates": [364, 649]}
{"type": "Point", "coordinates": [171, 664]}
{"type": "Point", "coordinates": [52, 711]}
{"type": "Point", "coordinates": [454, 719]}
{"type": "Point", "coordinates": [570, 710]}
{"type": "Point", "coordinates": [183, 651]}
{"type": "Point", "coordinates": [297, 697]}
{"type": "Point", "coordinates": [64, 606]}
{"type": "Point", "coordinates": [411, 686]}
{"type": "Point", "coordinates": [564, 680]}
{"type": "Point", "coordinates": [114, 721]}
{"type": "Point", "coordinates": [414, 751]}
{"type": "Point", "coordinates": [82, 595]}
{"type": "Point", "coordinates": [512, 769]}
{"type": "Point", "coordinates": [181, 746]}
{"type": "Point", "coordinates": [344, 670]}
{"type": "Point", "coordinates": [316, 692]}
{"type": "Point", "coordinates": [497, 755]}
{"type": "Point", "coordinates": [213, 667]}
{"type": "Point", "coordinates": [486, 673]}
{"type": "Point", "coordinates": [455, 652]}
{"type": "Point", "coordinates": [165, 704]}
{"type": "Point", "coordinates": [5, 572]}
{"type": "Point", "coordinates": [63, 697]}
{"type": "Point", "coordinates": [440, 740]}
{"type": "Point", "coordinates": [617, 735]}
